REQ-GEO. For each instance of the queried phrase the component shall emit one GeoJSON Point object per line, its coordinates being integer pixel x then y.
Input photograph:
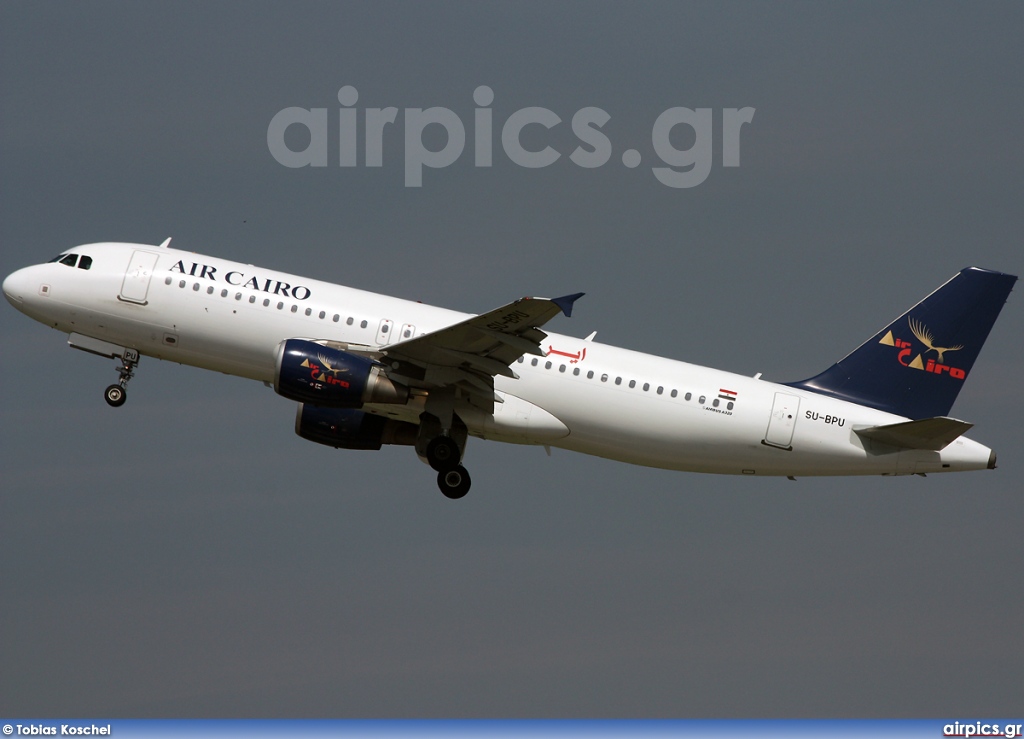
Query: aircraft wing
{"type": "Point", "coordinates": [468, 355]}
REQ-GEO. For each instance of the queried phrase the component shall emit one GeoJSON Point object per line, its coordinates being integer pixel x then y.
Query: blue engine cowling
{"type": "Point", "coordinates": [345, 428]}
{"type": "Point", "coordinates": [312, 373]}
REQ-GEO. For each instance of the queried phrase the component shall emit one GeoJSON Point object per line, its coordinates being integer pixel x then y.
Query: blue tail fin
{"type": "Point", "coordinates": [916, 365]}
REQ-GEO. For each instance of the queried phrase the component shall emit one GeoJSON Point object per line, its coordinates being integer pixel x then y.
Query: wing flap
{"type": "Point", "coordinates": [482, 363]}
{"type": "Point", "coordinates": [934, 434]}
{"type": "Point", "coordinates": [517, 341]}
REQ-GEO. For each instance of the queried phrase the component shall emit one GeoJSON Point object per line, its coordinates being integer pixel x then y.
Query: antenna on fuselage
{"type": "Point", "coordinates": [167, 242]}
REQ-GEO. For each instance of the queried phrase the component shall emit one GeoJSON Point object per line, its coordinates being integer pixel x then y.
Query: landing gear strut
{"type": "Point", "coordinates": [116, 394]}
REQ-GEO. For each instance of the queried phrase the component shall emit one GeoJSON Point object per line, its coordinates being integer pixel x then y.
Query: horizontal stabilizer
{"type": "Point", "coordinates": [934, 434]}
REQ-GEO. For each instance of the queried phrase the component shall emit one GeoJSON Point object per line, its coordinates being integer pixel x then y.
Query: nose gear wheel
{"type": "Point", "coordinates": [117, 394]}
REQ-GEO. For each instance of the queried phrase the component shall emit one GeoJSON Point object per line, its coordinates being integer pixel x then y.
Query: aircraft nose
{"type": "Point", "coordinates": [15, 285]}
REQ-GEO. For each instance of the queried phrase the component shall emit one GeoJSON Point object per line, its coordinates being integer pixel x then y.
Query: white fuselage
{"type": "Point", "coordinates": [584, 396]}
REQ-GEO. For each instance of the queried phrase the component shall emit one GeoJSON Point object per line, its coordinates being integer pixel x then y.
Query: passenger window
{"type": "Point", "coordinates": [323, 315]}
{"type": "Point", "coordinates": [647, 386]}
{"type": "Point", "coordinates": [252, 298]}
{"type": "Point", "coordinates": [280, 306]}
{"type": "Point", "coordinates": [336, 318]}
{"type": "Point", "coordinates": [618, 380]}
{"type": "Point", "coordinates": [547, 365]}
{"type": "Point", "coordinates": [195, 287]}
{"type": "Point", "coordinates": [238, 296]}
{"type": "Point", "coordinates": [209, 290]}
{"type": "Point", "coordinates": [715, 402]}
{"type": "Point", "coordinates": [349, 321]}
{"type": "Point", "coordinates": [688, 396]}
{"type": "Point", "coordinates": [561, 368]}
{"type": "Point", "coordinates": [362, 324]}
{"type": "Point", "coordinates": [701, 399]}
{"type": "Point", "coordinates": [224, 293]}
{"type": "Point", "coordinates": [69, 260]}
{"type": "Point", "coordinates": [674, 393]}
{"type": "Point", "coordinates": [309, 312]}
{"type": "Point", "coordinates": [590, 375]}
{"type": "Point", "coordinates": [266, 302]}
{"type": "Point", "coordinates": [534, 363]}
{"type": "Point", "coordinates": [85, 262]}
{"type": "Point", "coordinates": [576, 371]}
{"type": "Point", "coordinates": [295, 309]}
{"type": "Point", "coordinates": [181, 284]}
{"type": "Point", "coordinates": [167, 280]}
{"type": "Point", "coordinates": [729, 405]}
{"type": "Point", "coordinates": [521, 360]}
{"type": "Point", "coordinates": [604, 378]}
{"type": "Point", "coordinates": [632, 383]}
{"type": "Point", "coordinates": [661, 389]}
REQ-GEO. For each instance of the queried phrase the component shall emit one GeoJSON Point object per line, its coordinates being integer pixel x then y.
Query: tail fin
{"type": "Point", "coordinates": [916, 365]}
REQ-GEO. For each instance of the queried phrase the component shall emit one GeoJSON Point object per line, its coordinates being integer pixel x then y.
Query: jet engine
{"type": "Point", "coordinates": [312, 373]}
{"type": "Point", "coordinates": [345, 428]}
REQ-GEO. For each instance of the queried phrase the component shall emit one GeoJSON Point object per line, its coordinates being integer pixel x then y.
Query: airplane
{"type": "Point", "coordinates": [368, 370]}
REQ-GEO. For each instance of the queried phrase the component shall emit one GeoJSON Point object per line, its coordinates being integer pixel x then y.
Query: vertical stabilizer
{"type": "Point", "coordinates": [916, 365]}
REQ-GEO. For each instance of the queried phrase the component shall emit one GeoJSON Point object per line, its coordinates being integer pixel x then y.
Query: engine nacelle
{"type": "Point", "coordinates": [312, 373]}
{"type": "Point", "coordinates": [344, 428]}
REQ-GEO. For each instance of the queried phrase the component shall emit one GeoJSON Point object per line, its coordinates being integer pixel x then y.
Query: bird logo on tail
{"type": "Point", "coordinates": [925, 337]}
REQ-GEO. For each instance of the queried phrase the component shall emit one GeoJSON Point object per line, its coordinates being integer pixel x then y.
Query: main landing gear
{"type": "Point", "coordinates": [442, 449]}
{"type": "Point", "coordinates": [116, 394]}
{"type": "Point", "coordinates": [443, 455]}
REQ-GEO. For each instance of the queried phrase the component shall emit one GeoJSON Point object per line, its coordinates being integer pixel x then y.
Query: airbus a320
{"type": "Point", "coordinates": [368, 370]}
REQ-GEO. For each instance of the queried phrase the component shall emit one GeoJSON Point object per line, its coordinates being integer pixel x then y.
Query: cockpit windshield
{"type": "Point", "coordinates": [72, 260]}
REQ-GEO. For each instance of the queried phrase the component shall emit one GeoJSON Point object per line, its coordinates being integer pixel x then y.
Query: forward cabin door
{"type": "Point", "coordinates": [782, 421]}
{"type": "Point", "coordinates": [135, 286]}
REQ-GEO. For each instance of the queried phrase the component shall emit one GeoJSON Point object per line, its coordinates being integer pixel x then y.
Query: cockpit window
{"type": "Point", "coordinates": [72, 259]}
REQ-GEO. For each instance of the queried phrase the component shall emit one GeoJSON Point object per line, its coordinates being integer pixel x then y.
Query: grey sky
{"type": "Point", "coordinates": [188, 555]}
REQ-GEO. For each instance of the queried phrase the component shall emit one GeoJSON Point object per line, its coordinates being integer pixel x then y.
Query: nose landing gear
{"type": "Point", "coordinates": [128, 359]}
{"type": "Point", "coordinates": [116, 394]}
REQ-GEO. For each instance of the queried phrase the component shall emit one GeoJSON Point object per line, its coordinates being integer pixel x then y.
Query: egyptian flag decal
{"type": "Point", "coordinates": [726, 394]}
